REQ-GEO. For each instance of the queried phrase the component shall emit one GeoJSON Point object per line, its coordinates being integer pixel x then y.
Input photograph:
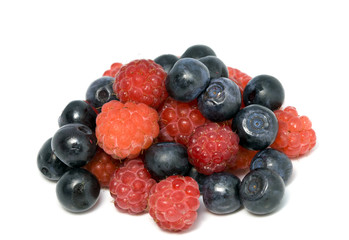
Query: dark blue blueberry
{"type": "Point", "coordinates": [187, 79]}
{"type": "Point", "coordinates": [274, 160]}
{"type": "Point", "coordinates": [221, 193]}
{"type": "Point", "coordinates": [216, 66]}
{"type": "Point", "coordinates": [220, 101]}
{"type": "Point", "coordinates": [49, 164]}
{"type": "Point", "coordinates": [257, 127]}
{"type": "Point", "coordinates": [78, 111]}
{"type": "Point", "coordinates": [166, 61]}
{"type": "Point", "coordinates": [198, 177]}
{"type": "Point", "coordinates": [74, 144]}
{"type": "Point", "coordinates": [261, 191]}
{"type": "Point", "coordinates": [78, 190]}
{"type": "Point", "coordinates": [264, 90]}
{"type": "Point", "coordinates": [100, 92]}
{"type": "Point", "coordinates": [198, 51]}
{"type": "Point", "coordinates": [166, 159]}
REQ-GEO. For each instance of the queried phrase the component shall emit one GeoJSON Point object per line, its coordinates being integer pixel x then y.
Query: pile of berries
{"type": "Point", "coordinates": [159, 133]}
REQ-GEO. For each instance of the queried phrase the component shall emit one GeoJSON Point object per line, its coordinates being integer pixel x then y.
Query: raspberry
{"type": "Point", "coordinates": [123, 130]}
{"type": "Point", "coordinates": [178, 120]}
{"type": "Point", "coordinates": [102, 166]}
{"type": "Point", "coordinates": [241, 79]}
{"type": "Point", "coordinates": [141, 81]}
{"type": "Point", "coordinates": [242, 159]}
{"type": "Point", "coordinates": [130, 187]}
{"type": "Point", "coordinates": [114, 69]}
{"type": "Point", "coordinates": [173, 203]}
{"type": "Point", "coordinates": [295, 136]}
{"type": "Point", "coordinates": [211, 147]}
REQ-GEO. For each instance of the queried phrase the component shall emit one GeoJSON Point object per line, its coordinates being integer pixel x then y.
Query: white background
{"type": "Point", "coordinates": [50, 51]}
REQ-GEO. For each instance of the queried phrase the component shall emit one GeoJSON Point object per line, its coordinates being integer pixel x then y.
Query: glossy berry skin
{"type": "Point", "coordinates": [165, 159]}
{"type": "Point", "coordinates": [261, 191]}
{"type": "Point", "coordinates": [100, 92]}
{"type": "Point", "coordinates": [78, 111]}
{"type": "Point", "coordinates": [198, 51]}
{"type": "Point", "coordinates": [198, 177]}
{"type": "Point", "coordinates": [274, 160]}
{"type": "Point", "coordinates": [216, 66]}
{"type": "Point", "coordinates": [166, 61]}
{"type": "Point", "coordinates": [187, 79]}
{"type": "Point", "coordinates": [78, 190]}
{"type": "Point", "coordinates": [49, 164]}
{"type": "Point", "coordinates": [75, 144]}
{"type": "Point", "coordinates": [221, 193]}
{"type": "Point", "coordinates": [264, 90]}
{"type": "Point", "coordinates": [256, 126]}
{"type": "Point", "coordinates": [220, 101]}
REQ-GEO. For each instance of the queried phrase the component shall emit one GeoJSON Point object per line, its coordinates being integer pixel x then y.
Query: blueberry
{"type": "Point", "coordinates": [261, 191]}
{"type": "Point", "coordinates": [187, 79]}
{"type": "Point", "coordinates": [274, 160]}
{"type": "Point", "coordinates": [198, 51]}
{"type": "Point", "coordinates": [49, 164]}
{"type": "Point", "coordinates": [220, 101]}
{"type": "Point", "coordinates": [198, 177]}
{"type": "Point", "coordinates": [166, 159]}
{"type": "Point", "coordinates": [221, 193]}
{"type": "Point", "coordinates": [257, 127]}
{"type": "Point", "coordinates": [74, 144]}
{"type": "Point", "coordinates": [100, 92]}
{"type": "Point", "coordinates": [264, 90]}
{"type": "Point", "coordinates": [215, 66]}
{"type": "Point", "coordinates": [166, 61]}
{"type": "Point", "coordinates": [78, 190]}
{"type": "Point", "coordinates": [78, 111]}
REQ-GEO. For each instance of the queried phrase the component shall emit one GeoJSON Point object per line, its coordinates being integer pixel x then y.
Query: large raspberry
{"type": "Point", "coordinates": [178, 120]}
{"type": "Point", "coordinates": [295, 135]}
{"type": "Point", "coordinates": [123, 130]}
{"type": "Point", "coordinates": [130, 187]}
{"type": "Point", "coordinates": [141, 81]}
{"type": "Point", "coordinates": [114, 69]}
{"type": "Point", "coordinates": [102, 166]}
{"type": "Point", "coordinates": [174, 202]}
{"type": "Point", "coordinates": [211, 147]}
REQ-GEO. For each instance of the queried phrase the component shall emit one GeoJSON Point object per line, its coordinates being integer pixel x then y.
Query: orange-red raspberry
{"type": "Point", "coordinates": [141, 81]}
{"type": "Point", "coordinates": [241, 79]}
{"type": "Point", "coordinates": [114, 69]}
{"type": "Point", "coordinates": [174, 202]}
{"type": "Point", "coordinates": [212, 147]}
{"type": "Point", "coordinates": [178, 120]}
{"type": "Point", "coordinates": [124, 130]}
{"type": "Point", "coordinates": [295, 135]}
{"type": "Point", "coordinates": [242, 159]}
{"type": "Point", "coordinates": [103, 167]}
{"type": "Point", "coordinates": [130, 187]}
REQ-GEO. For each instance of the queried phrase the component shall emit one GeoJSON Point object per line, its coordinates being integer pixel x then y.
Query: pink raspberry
{"type": "Point", "coordinates": [212, 147]}
{"type": "Point", "coordinates": [130, 187]}
{"type": "Point", "coordinates": [174, 202]}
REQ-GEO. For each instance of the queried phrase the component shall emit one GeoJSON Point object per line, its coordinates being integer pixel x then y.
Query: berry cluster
{"type": "Point", "coordinates": [159, 133]}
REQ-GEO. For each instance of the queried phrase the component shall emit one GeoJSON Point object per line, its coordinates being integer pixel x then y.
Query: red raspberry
{"type": "Point", "coordinates": [173, 203]}
{"type": "Point", "coordinates": [102, 166]}
{"type": "Point", "coordinates": [178, 120]}
{"type": "Point", "coordinates": [130, 187]}
{"type": "Point", "coordinates": [295, 135]}
{"type": "Point", "coordinates": [141, 81]}
{"type": "Point", "coordinates": [242, 159]}
{"type": "Point", "coordinates": [211, 147]}
{"type": "Point", "coordinates": [114, 69]}
{"type": "Point", "coordinates": [123, 130]}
